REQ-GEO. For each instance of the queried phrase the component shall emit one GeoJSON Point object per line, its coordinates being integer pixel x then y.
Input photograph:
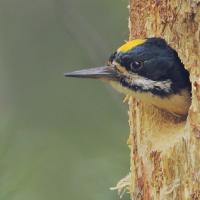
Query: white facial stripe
{"type": "Point", "coordinates": [148, 84]}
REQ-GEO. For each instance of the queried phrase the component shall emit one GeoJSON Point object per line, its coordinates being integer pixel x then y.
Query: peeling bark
{"type": "Point", "coordinates": [165, 152]}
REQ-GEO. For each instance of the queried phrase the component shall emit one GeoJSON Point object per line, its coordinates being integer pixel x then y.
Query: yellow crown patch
{"type": "Point", "coordinates": [131, 44]}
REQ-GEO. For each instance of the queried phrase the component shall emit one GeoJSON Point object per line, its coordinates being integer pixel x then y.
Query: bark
{"type": "Point", "coordinates": [165, 152]}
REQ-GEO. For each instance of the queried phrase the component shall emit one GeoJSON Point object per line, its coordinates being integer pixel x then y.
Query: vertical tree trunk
{"type": "Point", "coordinates": [165, 152]}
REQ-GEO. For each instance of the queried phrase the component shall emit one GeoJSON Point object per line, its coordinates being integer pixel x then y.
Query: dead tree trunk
{"type": "Point", "coordinates": [165, 152]}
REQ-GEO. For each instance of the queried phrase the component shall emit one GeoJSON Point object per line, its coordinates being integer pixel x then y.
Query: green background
{"type": "Point", "coordinates": [60, 138]}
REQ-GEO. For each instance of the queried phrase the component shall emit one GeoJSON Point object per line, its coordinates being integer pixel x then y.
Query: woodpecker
{"type": "Point", "coordinates": [149, 70]}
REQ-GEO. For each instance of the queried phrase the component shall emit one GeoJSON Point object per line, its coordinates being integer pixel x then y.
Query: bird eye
{"type": "Point", "coordinates": [135, 65]}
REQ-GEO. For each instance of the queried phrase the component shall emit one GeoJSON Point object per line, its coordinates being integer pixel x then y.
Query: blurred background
{"type": "Point", "coordinates": [60, 138]}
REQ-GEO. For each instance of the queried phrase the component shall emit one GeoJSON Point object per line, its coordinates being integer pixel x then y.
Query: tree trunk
{"type": "Point", "coordinates": [165, 152]}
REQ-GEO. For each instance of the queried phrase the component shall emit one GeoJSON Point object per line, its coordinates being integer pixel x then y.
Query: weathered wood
{"type": "Point", "coordinates": [165, 151]}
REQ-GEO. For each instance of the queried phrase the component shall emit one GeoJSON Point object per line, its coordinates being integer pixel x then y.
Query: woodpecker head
{"type": "Point", "coordinates": [148, 69]}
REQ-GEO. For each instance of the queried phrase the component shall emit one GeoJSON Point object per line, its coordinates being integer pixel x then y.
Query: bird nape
{"type": "Point", "coordinates": [149, 70]}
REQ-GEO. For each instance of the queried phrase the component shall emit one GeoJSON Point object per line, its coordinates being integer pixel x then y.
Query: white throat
{"type": "Point", "coordinates": [177, 104]}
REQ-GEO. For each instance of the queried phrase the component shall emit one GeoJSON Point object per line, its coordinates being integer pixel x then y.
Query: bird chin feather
{"type": "Point", "coordinates": [177, 104]}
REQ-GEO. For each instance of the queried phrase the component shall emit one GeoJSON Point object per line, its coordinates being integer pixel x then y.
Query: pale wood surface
{"type": "Point", "coordinates": [165, 151]}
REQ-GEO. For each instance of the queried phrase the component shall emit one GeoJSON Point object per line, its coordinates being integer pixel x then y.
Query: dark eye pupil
{"type": "Point", "coordinates": [135, 65]}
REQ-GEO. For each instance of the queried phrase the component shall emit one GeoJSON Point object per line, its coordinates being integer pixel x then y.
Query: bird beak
{"type": "Point", "coordinates": [104, 73]}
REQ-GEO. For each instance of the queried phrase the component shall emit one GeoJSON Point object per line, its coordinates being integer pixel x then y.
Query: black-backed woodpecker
{"type": "Point", "coordinates": [149, 70]}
